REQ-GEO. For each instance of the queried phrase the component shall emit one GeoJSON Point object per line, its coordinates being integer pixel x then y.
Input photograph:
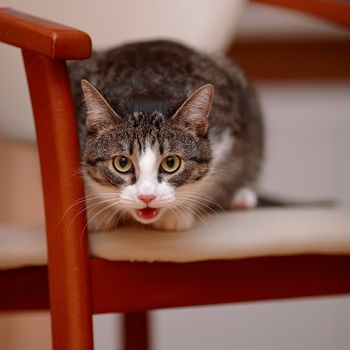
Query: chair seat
{"type": "Point", "coordinates": [233, 235]}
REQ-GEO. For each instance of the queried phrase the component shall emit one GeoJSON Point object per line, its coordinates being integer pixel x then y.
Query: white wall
{"type": "Point", "coordinates": [307, 324]}
{"type": "Point", "coordinates": [308, 140]}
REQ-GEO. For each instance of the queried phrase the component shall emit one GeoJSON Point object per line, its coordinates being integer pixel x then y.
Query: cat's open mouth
{"type": "Point", "coordinates": [148, 214]}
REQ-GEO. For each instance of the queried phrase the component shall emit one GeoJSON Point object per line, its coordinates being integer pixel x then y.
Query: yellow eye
{"type": "Point", "coordinates": [171, 163]}
{"type": "Point", "coordinates": [122, 164]}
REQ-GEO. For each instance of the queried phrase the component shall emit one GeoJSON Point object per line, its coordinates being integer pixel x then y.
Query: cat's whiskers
{"type": "Point", "coordinates": [178, 210]}
{"type": "Point", "coordinates": [196, 203]}
{"type": "Point", "coordinates": [199, 197]}
{"type": "Point", "coordinates": [80, 171]}
{"type": "Point", "coordinates": [195, 210]}
{"type": "Point", "coordinates": [75, 203]}
{"type": "Point", "coordinates": [116, 214]}
{"type": "Point", "coordinates": [99, 200]}
{"type": "Point", "coordinates": [201, 206]}
{"type": "Point", "coordinates": [99, 212]}
{"type": "Point", "coordinates": [83, 200]}
{"type": "Point", "coordinates": [84, 208]}
{"type": "Point", "coordinates": [122, 212]}
{"type": "Point", "coordinates": [108, 216]}
{"type": "Point", "coordinates": [113, 214]}
{"type": "Point", "coordinates": [92, 206]}
{"type": "Point", "coordinates": [197, 213]}
{"type": "Point", "coordinates": [185, 202]}
{"type": "Point", "coordinates": [163, 202]}
{"type": "Point", "coordinates": [88, 221]}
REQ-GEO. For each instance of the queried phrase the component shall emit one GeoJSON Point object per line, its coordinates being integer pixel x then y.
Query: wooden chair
{"type": "Point", "coordinates": [73, 285]}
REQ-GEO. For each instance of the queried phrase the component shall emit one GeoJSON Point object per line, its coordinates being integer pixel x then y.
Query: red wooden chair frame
{"type": "Point", "coordinates": [74, 286]}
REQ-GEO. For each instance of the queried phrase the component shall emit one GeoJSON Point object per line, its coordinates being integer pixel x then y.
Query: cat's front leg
{"type": "Point", "coordinates": [173, 221]}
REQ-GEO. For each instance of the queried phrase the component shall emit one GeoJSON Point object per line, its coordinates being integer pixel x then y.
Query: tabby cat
{"type": "Point", "coordinates": [167, 135]}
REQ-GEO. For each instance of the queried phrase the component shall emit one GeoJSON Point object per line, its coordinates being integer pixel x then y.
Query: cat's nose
{"type": "Point", "coordinates": [147, 198]}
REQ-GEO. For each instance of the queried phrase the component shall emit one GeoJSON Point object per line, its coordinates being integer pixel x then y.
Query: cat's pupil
{"type": "Point", "coordinates": [170, 161]}
{"type": "Point", "coordinates": [123, 162]}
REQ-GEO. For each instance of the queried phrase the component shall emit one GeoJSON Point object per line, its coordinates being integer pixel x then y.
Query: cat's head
{"type": "Point", "coordinates": [144, 162]}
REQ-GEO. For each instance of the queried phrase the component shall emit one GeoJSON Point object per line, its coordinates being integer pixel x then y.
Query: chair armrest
{"type": "Point", "coordinates": [51, 39]}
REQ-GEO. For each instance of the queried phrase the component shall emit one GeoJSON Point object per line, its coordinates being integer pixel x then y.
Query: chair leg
{"type": "Point", "coordinates": [135, 331]}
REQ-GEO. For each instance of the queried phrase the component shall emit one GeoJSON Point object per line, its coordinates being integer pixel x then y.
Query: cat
{"type": "Point", "coordinates": [167, 135]}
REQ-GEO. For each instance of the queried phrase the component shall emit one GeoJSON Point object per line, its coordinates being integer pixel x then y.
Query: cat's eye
{"type": "Point", "coordinates": [170, 163]}
{"type": "Point", "coordinates": [122, 164]}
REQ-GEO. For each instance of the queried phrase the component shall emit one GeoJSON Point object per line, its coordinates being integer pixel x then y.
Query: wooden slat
{"type": "Point", "coordinates": [127, 286]}
{"type": "Point", "coordinates": [24, 289]}
{"type": "Point", "coordinates": [45, 37]}
{"type": "Point", "coordinates": [135, 331]}
{"type": "Point", "coordinates": [293, 59]}
{"type": "Point", "coordinates": [336, 11]}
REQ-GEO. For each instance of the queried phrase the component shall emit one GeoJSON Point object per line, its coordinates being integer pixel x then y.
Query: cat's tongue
{"type": "Point", "coordinates": [148, 213]}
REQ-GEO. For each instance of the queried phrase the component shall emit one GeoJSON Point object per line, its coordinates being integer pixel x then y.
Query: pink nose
{"type": "Point", "coordinates": [147, 198]}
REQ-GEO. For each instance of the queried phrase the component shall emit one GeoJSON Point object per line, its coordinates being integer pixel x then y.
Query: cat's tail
{"type": "Point", "coordinates": [271, 201]}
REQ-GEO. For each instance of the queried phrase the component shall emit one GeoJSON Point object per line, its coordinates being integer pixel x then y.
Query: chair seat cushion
{"type": "Point", "coordinates": [232, 235]}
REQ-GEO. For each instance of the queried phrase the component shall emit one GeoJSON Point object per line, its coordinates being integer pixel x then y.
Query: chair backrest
{"type": "Point", "coordinates": [332, 11]}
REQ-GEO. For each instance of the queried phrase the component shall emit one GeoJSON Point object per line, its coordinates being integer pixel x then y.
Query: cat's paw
{"type": "Point", "coordinates": [244, 198]}
{"type": "Point", "coordinates": [171, 221]}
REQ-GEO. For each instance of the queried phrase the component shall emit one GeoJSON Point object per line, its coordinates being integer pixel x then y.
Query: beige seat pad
{"type": "Point", "coordinates": [262, 232]}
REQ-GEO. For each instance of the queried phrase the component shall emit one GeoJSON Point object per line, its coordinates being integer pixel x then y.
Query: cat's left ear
{"type": "Point", "coordinates": [194, 112]}
{"type": "Point", "coordinates": [99, 112]}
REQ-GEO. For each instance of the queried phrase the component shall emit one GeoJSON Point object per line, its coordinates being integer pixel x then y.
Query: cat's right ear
{"type": "Point", "coordinates": [99, 112]}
